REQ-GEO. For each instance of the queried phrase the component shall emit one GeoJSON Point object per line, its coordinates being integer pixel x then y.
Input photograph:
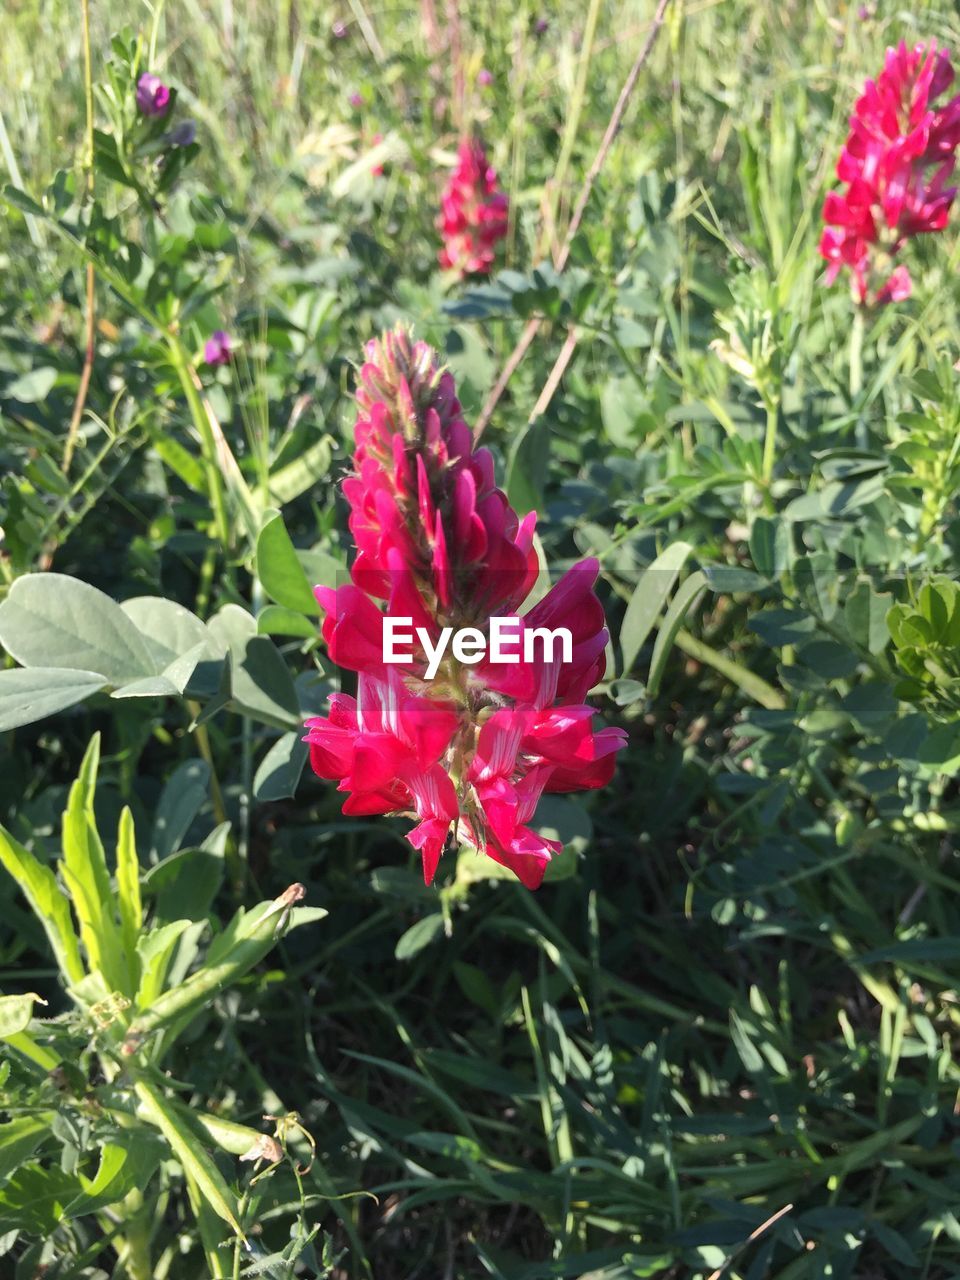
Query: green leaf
{"type": "Point", "coordinates": [52, 620]}
{"type": "Point", "coordinates": [473, 867]}
{"type": "Point", "coordinates": [779, 627]}
{"type": "Point", "coordinates": [275, 620]}
{"type": "Point", "coordinates": [625, 411]}
{"type": "Point", "coordinates": [16, 1012]}
{"type": "Point", "coordinates": [865, 615]}
{"type": "Point", "coordinates": [297, 477]}
{"type": "Point", "coordinates": [279, 570]}
{"type": "Point", "coordinates": [527, 467]}
{"type": "Point", "coordinates": [35, 1199]}
{"type": "Point", "coordinates": [33, 386]}
{"type": "Point", "coordinates": [280, 769]}
{"type": "Point", "coordinates": [184, 795]}
{"type": "Point", "coordinates": [27, 695]}
{"type": "Point", "coordinates": [322, 570]}
{"type": "Point", "coordinates": [261, 685]}
{"type": "Point", "coordinates": [40, 887]}
{"type": "Point", "coordinates": [418, 936]}
{"type": "Point", "coordinates": [248, 937]}
{"type": "Point", "coordinates": [20, 200]}
{"type": "Point", "coordinates": [180, 461]}
{"type": "Point", "coordinates": [169, 631]}
{"type": "Point", "coordinates": [649, 597]}
{"type": "Point", "coordinates": [565, 819]}
{"type": "Point", "coordinates": [186, 883]}
{"type": "Point", "coordinates": [127, 1162]}
{"type": "Point", "coordinates": [19, 1139]}
{"type": "Point", "coordinates": [476, 986]}
{"type": "Point", "coordinates": [232, 627]}
{"type": "Point", "coordinates": [128, 891]}
{"type": "Point", "coordinates": [84, 868]}
{"type": "Point", "coordinates": [155, 950]}
{"type": "Point", "coordinates": [680, 605]}
{"type": "Point", "coordinates": [770, 546]}
{"type": "Point", "coordinates": [166, 1114]}
{"type": "Point", "coordinates": [747, 1051]}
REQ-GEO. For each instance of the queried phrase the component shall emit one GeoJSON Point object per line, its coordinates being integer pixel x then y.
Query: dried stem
{"type": "Point", "coordinates": [91, 314]}
{"type": "Point", "coordinates": [455, 47]}
{"type": "Point", "coordinates": [612, 129]}
{"type": "Point", "coordinates": [556, 373]}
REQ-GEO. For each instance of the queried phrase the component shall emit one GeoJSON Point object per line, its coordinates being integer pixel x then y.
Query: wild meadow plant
{"type": "Point", "coordinates": [898, 158]}
{"type": "Point", "coordinates": [306, 395]}
{"type": "Point", "coordinates": [468, 749]}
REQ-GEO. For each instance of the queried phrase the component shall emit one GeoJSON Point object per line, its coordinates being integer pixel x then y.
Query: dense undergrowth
{"type": "Point", "coordinates": [719, 1040]}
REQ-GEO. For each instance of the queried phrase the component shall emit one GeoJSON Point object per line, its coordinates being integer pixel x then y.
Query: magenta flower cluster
{"type": "Point", "coordinates": [896, 165]}
{"type": "Point", "coordinates": [469, 753]}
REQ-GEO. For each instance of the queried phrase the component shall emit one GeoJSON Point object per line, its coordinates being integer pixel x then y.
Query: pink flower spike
{"type": "Point", "coordinates": [473, 216]}
{"type": "Point", "coordinates": [898, 159]}
{"type": "Point", "coordinates": [465, 748]}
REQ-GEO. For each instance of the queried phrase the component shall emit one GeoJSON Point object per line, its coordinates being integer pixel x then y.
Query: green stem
{"type": "Point", "coordinates": [135, 1249]}
{"type": "Point", "coordinates": [856, 354]}
{"type": "Point", "coordinates": [770, 446]}
{"type": "Point", "coordinates": [208, 445]}
{"type": "Point", "coordinates": [757, 688]}
{"type": "Point", "coordinates": [573, 119]}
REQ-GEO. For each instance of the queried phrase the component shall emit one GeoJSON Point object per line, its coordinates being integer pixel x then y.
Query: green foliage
{"type": "Point", "coordinates": [926, 639]}
{"type": "Point", "coordinates": [131, 1000]}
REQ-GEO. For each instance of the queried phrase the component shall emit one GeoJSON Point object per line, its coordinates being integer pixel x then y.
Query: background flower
{"type": "Point", "coordinates": [153, 96]}
{"type": "Point", "coordinates": [473, 215]}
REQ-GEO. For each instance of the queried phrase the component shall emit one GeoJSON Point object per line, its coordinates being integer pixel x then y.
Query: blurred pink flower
{"type": "Point", "coordinates": [377, 169]}
{"type": "Point", "coordinates": [153, 96]}
{"type": "Point", "coordinates": [218, 348]}
{"type": "Point", "coordinates": [484, 77]}
{"type": "Point", "coordinates": [473, 215]}
{"type": "Point", "coordinates": [897, 161]}
{"type": "Point", "coordinates": [470, 752]}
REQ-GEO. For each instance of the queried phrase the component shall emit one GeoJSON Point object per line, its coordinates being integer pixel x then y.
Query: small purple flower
{"type": "Point", "coordinates": [339, 30]}
{"type": "Point", "coordinates": [484, 77]}
{"type": "Point", "coordinates": [540, 27]}
{"type": "Point", "coordinates": [218, 348]}
{"type": "Point", "coordinates": [153, 96]}
{"type": "Point", "coordinates": [356, 101]}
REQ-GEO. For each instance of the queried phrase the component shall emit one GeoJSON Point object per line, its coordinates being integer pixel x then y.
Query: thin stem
{"type": "Point", "coordinates": [556, 374]}
{"type": "Point", "coordinates": [206, 752]}
{"type": "Point", "coordinates": [770, 445]}
{"type": "Point", "coordinates": [856, 354]}
{"type": "Point", "coordinates": [573, 120]}
{"type": "Point", "coordinates": [455, 54]}
{"type": "Point", "coordinates": [134, 1252]}
{"type": "Point", "coordinates": [752, 684]}
{"type": "Point", "coordinates": [91, 301]}
{"type": "Point", "coordinates": [612, 129]}
{"type": "Point", "coordinates": [506, 373]}
{"type": "Point", "coordinates": [208, 444]}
